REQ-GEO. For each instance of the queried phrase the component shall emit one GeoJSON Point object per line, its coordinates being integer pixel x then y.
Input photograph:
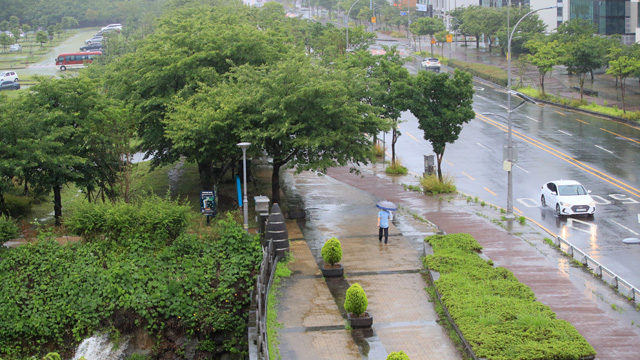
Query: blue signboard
{"type": "Point", "coordinates": [403, 13]}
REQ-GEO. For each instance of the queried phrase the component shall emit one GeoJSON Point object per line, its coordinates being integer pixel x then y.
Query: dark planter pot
{"type": "Point", "coordinates": [360, 322]}
{"type": "Point", "coordinates": [332, 270]}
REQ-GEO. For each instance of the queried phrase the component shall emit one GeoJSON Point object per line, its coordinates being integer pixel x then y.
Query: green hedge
{"type": "Point", "coordinates": [491, 73]}
{"type": "Point", "coordinates": [498, 315]}
{"type": "Point", "coordinates": [8, 229]}
{"type": "Point", "coordinates": [52, 296]}
{"type": "Point", "coordinates": [332, 251]}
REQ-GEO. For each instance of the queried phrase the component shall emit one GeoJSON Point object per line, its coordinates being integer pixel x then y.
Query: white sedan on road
{"type": "Point", "coordinates": [567, 197]}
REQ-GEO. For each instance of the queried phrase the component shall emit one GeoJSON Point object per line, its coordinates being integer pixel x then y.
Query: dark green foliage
{"type": "Point", "coordinates": [15, 206]}
{"type": "Point", "coordinates": [154, 218]}
{"type": "Point", "coordinates": [398, 355]}
{"type": "Point", "coordinates": [8, 229]}
{"type": "Point", "coordinates": [332, 251]}
{"type": "Point", "coordinates": [487, 72]}
{"type": "Point", "coordinates": [496, 313]}
{"type": "Point", "coordinates": [53, 294]}
{"type": "Point", "coordinates": [356, 300]}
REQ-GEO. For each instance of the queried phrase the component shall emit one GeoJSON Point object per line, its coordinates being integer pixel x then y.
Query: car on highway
{"type": "Point", "coordinates": [9, 85]}
{"type": "Point", "coordinates": [9, 76]}
{"type": "Point", "coordinates": [567, 197]}
{"type": "Point", "coordinates": [431, 64]}
{"type": "Point", "coordinates": [15, 47]}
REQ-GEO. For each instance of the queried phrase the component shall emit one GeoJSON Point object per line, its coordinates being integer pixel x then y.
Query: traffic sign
{"type": "Point", "coordinates": [449, 38]}
{"type": "Point", "coordinates": [433, 41]}
{"type": "Point", "coordinates": [403, 13]}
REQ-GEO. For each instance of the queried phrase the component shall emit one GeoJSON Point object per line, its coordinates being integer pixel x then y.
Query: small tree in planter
{"type": "Point", "coordinates": [332, 254]}
{"type": "Point", "coordinates": [399, 355]}
{"type": "Point", "coordinates": [355, 303]}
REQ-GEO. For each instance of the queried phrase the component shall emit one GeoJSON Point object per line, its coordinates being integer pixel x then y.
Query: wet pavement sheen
{"type": "Point", "coordinates": [342, 204]}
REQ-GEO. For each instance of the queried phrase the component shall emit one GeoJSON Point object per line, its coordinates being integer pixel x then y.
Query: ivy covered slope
{"type": "Point", "coordinates": [497, 314]}
{"type": "Point", "coordinates": [137, 268]}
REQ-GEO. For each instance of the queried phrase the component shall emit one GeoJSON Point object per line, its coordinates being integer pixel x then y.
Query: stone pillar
{"type": "Point", "coordinates": [276, 232]}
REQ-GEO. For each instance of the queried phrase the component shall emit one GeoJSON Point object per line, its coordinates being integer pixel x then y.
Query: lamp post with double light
{"type": "Point", "coordinates": [508, 163]}
{"type": "Point", "coordinates": [245, 206]}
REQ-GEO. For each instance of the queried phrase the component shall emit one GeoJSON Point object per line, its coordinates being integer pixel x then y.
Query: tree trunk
{"type": "Point", "coordinates": [542, 74]}
{"type": "Point", "coordinates": [275, 183]}
{"type": "Point", "coordinates": [394, 139]}
{"type": "Point", "coordinates": [624, 109]}
{"type": "Point", "coordinates": [439, 158]}
{"type": "Point", "coordinates": [581, 78]}
{"type": "Point", "coordinates": [205, 169]}
{"type": "Point", "coordinates": [57, 204]}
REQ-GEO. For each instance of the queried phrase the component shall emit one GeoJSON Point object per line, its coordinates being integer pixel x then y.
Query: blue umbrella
{"type": "Point", "coordinates": [387, 205]}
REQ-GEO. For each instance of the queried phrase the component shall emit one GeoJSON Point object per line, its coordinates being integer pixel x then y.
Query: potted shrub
{"type": "Point", "coordinates": [332, 254]}
{"type": "Point", "coordinates": [398, 355]}
{"type": "Point", "coordinates": [355, 303]}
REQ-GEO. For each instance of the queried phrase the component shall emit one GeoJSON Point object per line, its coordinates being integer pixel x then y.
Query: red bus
{"type": "Point", "coordinates": [78, 59]}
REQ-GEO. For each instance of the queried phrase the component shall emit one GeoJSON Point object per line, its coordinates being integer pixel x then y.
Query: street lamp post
{"type": "Point", "coordinates": [245, 206]}
{"type": "Point", "coordinates": [349, 12]}
{"type": "Point", "coordinates": [509, 162]}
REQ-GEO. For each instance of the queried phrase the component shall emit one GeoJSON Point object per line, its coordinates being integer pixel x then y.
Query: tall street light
{"type": "Point", "coordinates": [509, 161]}
{"type": "Point", "coordinates": [349, 12]}
{"type": "Point", "coordinates": [244, 146]}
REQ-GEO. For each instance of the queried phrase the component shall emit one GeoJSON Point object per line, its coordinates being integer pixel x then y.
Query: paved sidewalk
{"type": "Point", "coordinates": [311, 308]}
{"type": "Point", "coordinates": [342, 204]}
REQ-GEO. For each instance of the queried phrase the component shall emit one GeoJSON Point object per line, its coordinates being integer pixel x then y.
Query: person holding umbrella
{"type": "Point", "coordinates": [383, 219]}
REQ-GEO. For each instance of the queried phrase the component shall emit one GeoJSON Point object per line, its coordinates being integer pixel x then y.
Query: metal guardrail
{"type": "Point", "coordinates": [623, 286]}
{"type": "Point", "coordinates": [259, 344]}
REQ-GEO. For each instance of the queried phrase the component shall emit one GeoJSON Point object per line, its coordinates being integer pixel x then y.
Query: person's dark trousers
{"type": "Point", "coordinates": [386, 234]}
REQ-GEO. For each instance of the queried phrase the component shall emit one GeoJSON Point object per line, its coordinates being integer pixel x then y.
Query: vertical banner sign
{"type": "Point", "coordinates": [449, 38]}
{"type": "Point", "coordinates": [373, 20]}
{"type": "Point", "coordinates": [207, 203]}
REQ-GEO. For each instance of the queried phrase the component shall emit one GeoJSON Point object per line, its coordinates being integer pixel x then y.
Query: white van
{"type": "Point", "coordinates": [15, 47]}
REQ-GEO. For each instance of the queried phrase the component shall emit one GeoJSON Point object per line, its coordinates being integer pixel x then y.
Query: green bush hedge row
{"type": "Point", "coordinates": [491, 73]}
{"type": "Point", "coordinates": [498, 315]}
{"type": "Point", "coordinates": [8, 229]}
{"type": "Point", "coordinates": [52, 296]}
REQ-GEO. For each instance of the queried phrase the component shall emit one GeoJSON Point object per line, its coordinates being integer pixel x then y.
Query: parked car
{"type": "Point", "coordinates": [9, 85]}
{"type": "Point", "coordinates": [567, 197]}
{"type": "Point", "coordinates": [112, 26]}
{"type": "Point", "coordinates": [95, 39]}
{"type": "Point", "coordinates": [9, 76]}
{"type": "Point", "coordinates": [92, 47]}
{"type": "Point", "coordinates": [431, 64]}
{"type": "Point", "coordinates": [15, 47]}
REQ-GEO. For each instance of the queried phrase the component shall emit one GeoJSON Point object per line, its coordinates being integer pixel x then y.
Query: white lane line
{"type": "Point", "coordinates": [564, 132]}
{"type": "Point", "coordinates": [601, 148]}
{"type": "Point", "coordinates": [638, 218]}
{"type": "Point", "coordinates": [484, 147]}
{"type": "Point", "coordinates": [481, 97]}
{"type": "Point", "coordinates": [520, 167]}
{"type": "Point", "coordinates": [624, 227]}
{"type": "Point", "coordinates": [504, 107]}
{"type": "Point", "coordinates": [530, 118]}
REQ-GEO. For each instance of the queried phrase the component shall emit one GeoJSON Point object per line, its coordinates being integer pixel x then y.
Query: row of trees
{"type": "Point", "coordinates": [211, 76]}
{"type": "Point", "coordinates": [19, 30]}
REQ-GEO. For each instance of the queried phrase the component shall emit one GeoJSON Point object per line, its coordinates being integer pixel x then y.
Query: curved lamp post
{"type": "Point", "coordinates": [347, 48]}
{"type": "Point", "coordinates": [245, 206]}
{"type": "Point", "coordinates": [509, 161]}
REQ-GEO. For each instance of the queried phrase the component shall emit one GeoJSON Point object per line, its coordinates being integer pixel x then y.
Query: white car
{"type": "Point", "coordinates": [93, 40]}
{"type": "Point", "coordinates": [567, 197]}
{"type": "Point", "coordinates": [15, 47]}
{"type": "Point", "coordinates": [8, 76]}
{"type": "Point", "coordinates": [112, 26]}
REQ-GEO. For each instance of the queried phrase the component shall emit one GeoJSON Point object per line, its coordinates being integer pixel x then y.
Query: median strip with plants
{"type": "Point", "coordinates": [498, 315]}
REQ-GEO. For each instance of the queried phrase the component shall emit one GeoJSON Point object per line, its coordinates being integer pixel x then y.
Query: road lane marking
{"type": "Point", "coordinates": [584, 122]}
{"type": "Point", "coordinates": [448, 162]}
{"type": "Point", "coordinates": [557, 153]}
{"type": "Point", "coordinates": [521, 168]}
{"type": "Point", "coordinates": [518, 210]}
{"type": "Point", "coordinates": [624, 227]}
{"type": "Point", "coordinates": [564, 132]}
{"type": "Point", "coordinates": [482, 97]}
{"type": "Point", "coordinates": [601, 148]}
{"type": "Point", "coordinates": [639, 218]}
{"type": "Point", "coordinates": [484, 147]}
{"type": "Point", "coordinates": [530, 118]}
{"type": "Point", "coordinates": [467, 175]}
{"type": "Point", "coordinates": [504, 107]}
{"type": "Point", "coordinates": [411, 136]}
{"type": "Point", "coordinates": [558, 112]}
{"type": "Point", "coordinates": [611, 132]}
{"type": "Point", "coordinates": [491, 192]}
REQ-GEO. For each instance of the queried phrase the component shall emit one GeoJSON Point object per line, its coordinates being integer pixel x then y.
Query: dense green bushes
{"type": "Point", "coordinates": [398, 355]}
{"type": "Point", "coordinates": [355, 301]}
{"type": "Point", "coordinates": [8, 229]}
{"type": "Point", "coordinates": [15, 206]}
{"type": "Point", "coordinates": [155, 218]}
{"type": "Point", "coordinates": [198, 285]}
{"type": "Point", "coordinates": [432, 185]}
{"type": "Point", "coordinates": [495, 312]}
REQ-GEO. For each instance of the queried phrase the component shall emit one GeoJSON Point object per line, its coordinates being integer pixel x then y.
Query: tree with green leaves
{"type": "Point", "coordinates": [472, 22]}
{"type": "Point", "coordinates": [304, 116]}
{"type": "Point", "coordinates": [26, 28]}
{"type": "Point", "coordinates": [622, 68]}
{"type": "Point", "coordinates": [5, 41]}
{"type": "Point", "coordinates": [70, 121]}
{"type": "Point", "coordinates": [51, 29]}
{"type": "Point", "coordinates": [41, 37]}
{"type": "Point", "coordinates": [544, 55]}
{"type": "Point", "coordinates": [531, 27]}
{"type": "Point", "coordinates": [58, 29]}
{"type": "Point", "coordinates": [585, 54]}
{"type": "Point", "coordinates": [69, 22]}
{"type": "Point", "coordinates": [426, 26]}
{"type": "Point", "coordinates": [442, 104]}
{"type": "Point", "coordinates": [14, 22]}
